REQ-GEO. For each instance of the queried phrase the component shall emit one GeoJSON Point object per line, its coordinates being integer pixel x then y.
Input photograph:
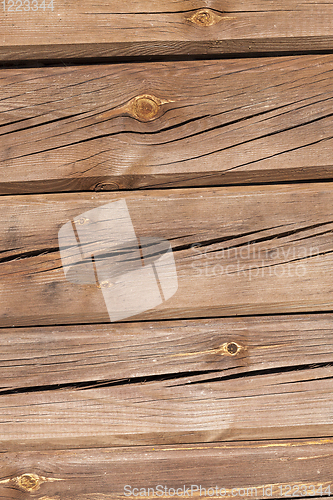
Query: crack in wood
{"type": "Point", "coordinates": [176, 376]}
{"type": "Point", "coordinates": [263, 372]}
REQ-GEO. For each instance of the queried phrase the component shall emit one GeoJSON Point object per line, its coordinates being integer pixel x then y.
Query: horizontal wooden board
{"type": "Point", "coordinates": [194, 123]}
{"type": "Point", "coordinates": [167, 382]}
{"type": "Point", "coordinates": [61, 29]}
{"type": "Point", "coordinates": [185, 410]}
{"type": "Point", "coordinates": [95, 355]}
{"type": "Point", "coordinates": [103, 473]}
{"type": "Point", "coordinates": [237, 251]}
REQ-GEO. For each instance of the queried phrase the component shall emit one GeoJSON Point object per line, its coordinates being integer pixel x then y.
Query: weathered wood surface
{"type": "Point", "coordinates": [237, 250]}
{"type": "Point", "coordinates": [114, 28]}
{"type": "Point", "coordinates": [212, 122]}
{"type": "Point", "coordinates": [167, 382]}
{"type": "Point", "coordinates": [85, 389]}
{"type": "Point", "coordinates": [35, 359]}
{"type": "Point", "coordinates": [103, 473]}
{"type": "Point", "coordinates": [189, 409]}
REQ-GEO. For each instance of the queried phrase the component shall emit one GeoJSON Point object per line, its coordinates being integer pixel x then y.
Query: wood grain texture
{"type": "Point", "coordinates": [210, 122]}
{"type": "Point", "coordinates": [103, 473]}
{"type": "Point", "coordinates": [97, 355]}
{"type": "Point", "coordinates": [77, 396]}
{"type": "Point", "coordinates": [237, 250]}
{"type": "Point", "coordinates": [188, 410]}
{"type": "Point", "coordinates": [165, 383]}
{"type": "Point", "coordinates": [112, 28]}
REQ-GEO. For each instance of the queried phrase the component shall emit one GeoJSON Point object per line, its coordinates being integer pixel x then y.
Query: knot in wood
{"type": "Point", "coordinates": [28, 482]}
{"type": "Point", "coordinates": [107, 186]}
{"type": "Point", "coordinates": [229, 349]}
{"type": "Point", "coordinates": [146, 108]}
{"type": "Point", "coordinates": [82, 221]}
{"type": "Point", "coordinates": [104, 284]}
{"type": "Point", "coordinates": [205, 17]}
{"type": "Point", "coordinates": [232, 348]}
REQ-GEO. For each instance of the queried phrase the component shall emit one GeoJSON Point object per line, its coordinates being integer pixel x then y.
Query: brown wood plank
{"type": "Point", "coordinates": [297, 404]}
{"type": "Point", "coordinates": [112, 28]}
{"type": "Point", "coordinates": [237, 250]}
{"type": "Point", "coordinates": [170, 382]}
{"type": "Point", "coordinates": [212, 122]}
{"type": "Point", "coordinates": [103, 473]}
{"type": "Point", "coordinates": [92, 355]}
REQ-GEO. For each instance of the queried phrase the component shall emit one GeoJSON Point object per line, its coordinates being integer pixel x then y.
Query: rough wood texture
{"type": "Point", "coordinates": [114, 28]}
{"type": "Point", "coordinates": [93, 355]}
{"type": "Point", "coordinates": [103, 473]}
{"type": "Point", "coordinates": [185, 410]}
{"type": "Point", "coordinates": [168, 382]}
{"type": "Point", "coordinates": [238, 250]}
{"type": "Point", "coordinates": [195, 123]}
{"type": "Point", "coordinates": [189, 393]}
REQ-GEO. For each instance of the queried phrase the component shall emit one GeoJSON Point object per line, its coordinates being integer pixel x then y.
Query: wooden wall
{"type": "Point", "coordinates": [213, 121]}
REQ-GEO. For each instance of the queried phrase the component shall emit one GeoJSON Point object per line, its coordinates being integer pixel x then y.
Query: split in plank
{"type": "Point", "coordinates": [174, 124]}
{"type": "Point", "coordinates": [237, 251]}
{"type": "Point", "coordinates": [193, 409]}
{"type": "Point", "coordinates": [38, 358]}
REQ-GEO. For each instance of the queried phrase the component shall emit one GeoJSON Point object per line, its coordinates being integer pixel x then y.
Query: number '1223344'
{"type": "Point", "coordinates": [27, 5]}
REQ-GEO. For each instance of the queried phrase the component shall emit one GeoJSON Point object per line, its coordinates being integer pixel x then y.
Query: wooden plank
{"type": "Point", "coordinates": [237, 251]}
{"type": "Point", "coordinates": [104, 473]}
{"type": "Point", "coordinates": [205, 123]}
{"type": "Point", "coordinates": [185, 410]}
{"type": "Point", "coordinates": [164, 383]}
{"type": "Point", "coordinates": [106, 28]}
{"type": "Point", "coordinates": [93, 355]}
